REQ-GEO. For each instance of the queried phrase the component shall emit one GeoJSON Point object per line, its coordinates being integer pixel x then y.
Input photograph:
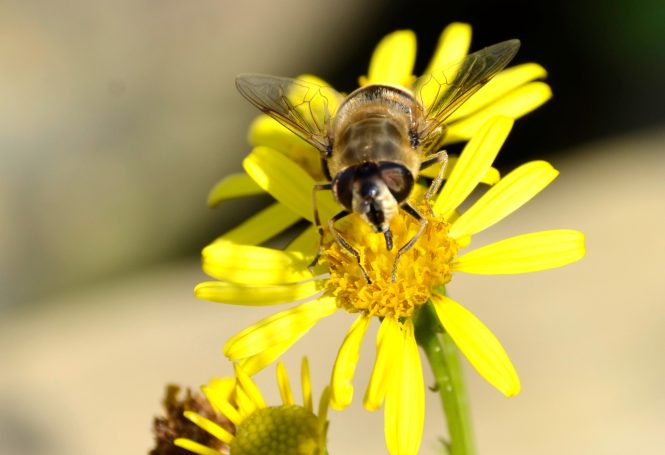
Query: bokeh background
{"type": "Point", "coordinates": [118, 117]}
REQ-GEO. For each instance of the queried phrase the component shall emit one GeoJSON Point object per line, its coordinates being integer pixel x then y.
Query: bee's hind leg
{"type": "Point", "coordinates": [317, 220]}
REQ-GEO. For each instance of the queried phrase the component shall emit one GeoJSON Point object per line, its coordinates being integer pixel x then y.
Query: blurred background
{"type": "Point", "coordinates": [118, 117]}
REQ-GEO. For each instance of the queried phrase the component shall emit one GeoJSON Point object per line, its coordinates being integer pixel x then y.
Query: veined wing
{"type": "Point", "coordinates": [303, 107]}
{"type": "Point", "coordinates": [443, 91]}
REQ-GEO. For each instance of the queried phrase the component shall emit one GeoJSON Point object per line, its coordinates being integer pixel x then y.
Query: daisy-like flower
{"type": "Point", "coordinates": [513, 92]}
{"type": "Point", "coordinates": [259, 429]}
{"type": "Point", "coordinates": [253, 276]}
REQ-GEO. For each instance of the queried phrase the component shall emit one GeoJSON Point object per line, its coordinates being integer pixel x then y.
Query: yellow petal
{"type": "Point", "coordinates": [262, 226]}
{"type": "Point", "coordinates": [253, 364]}
{"type": "Point", "coordinates": [248, 264]}
{"type": "Point", "coordinates": [284, 327]}
{"type": "Point", "coordinates": [341, 382]}
{"type": "Point", "coordinates": [287, 182]}
{"type": "Point", "coordinates": [244, 403]}
{"type": "Point", "coordinates": [268, 132]}
{"type": "Point", "coordinates": [490, 178]}
{"type": "Point", "coordinates": [393, 59]}
{"type": "Point", "coordinates": [249, 387]}
{"type": "Point", "coordinates": [474, 162]}
{"type": "Point", "coordinates": [513, 191]}
{"type": "Point", "coordinates": [405, 400]}
{"type": "Point", "coordinates": [478, 344]}
{"type": "Point", "coordinates": [218, 391]}
{"type": "Point", "coordinates": [209, 426]}
{"type": "Point", "coordinates": [517, 103]}
{"type": "Point", "coordinates": [306, 384]}
{"type": "Point", "coordinates": [233, 186]}
{"type": "Point", "coordinates": [284, 385]}
{"type": "Point", "coordinates": [452, 48]}
{"type": "Point", "coordinates": [389, 343]}
{"type": "Point", "coordinates": [306, 243]}
{"type": "Point", "coordinates": [195, 447]}
{"type": "Point", "coordinates": [256, 295]}
{"type": "Point", "coordinates": [500, 85]}
{"type": "Point", "coordinates": [525, 253]}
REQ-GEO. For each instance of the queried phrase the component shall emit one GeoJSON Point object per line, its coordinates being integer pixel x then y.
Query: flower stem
{"type": "Point", "coordinates": [445, 363]}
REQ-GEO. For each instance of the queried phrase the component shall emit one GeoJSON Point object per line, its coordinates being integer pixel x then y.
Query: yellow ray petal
{"type": "Point", "coordinates": [341, 383]}
{"type": "Point", "coordinates": [247, 264]}
{"type": "Point", "coordinates": [284, 327]}
{"type": "Point", "coordinates": [195, 447]}
{"type": "Point", "coordinates": [513, 191]}
{"type": "Point", "coordinates": [389, 343]}
{"type": "Point", "coordinates": [490, 178]}
{"type": "Point", "coordinates": [473, 164]}
{"type": "Point", "coordinates": [218, 391]}
{"type": "Point", "coordinates": [256, 295]}
{"type": "Point", "coordinates": [452, 47]}
{"type": "Point", "coordinates": [515, 104]}
{"type": "Point", "coordinates": [249, 387]}
{"type": "Point", "coordinates": [478, 344]}
{"type": "Point", "coordinates": [209, 426]}
{"type": "Point", "coordinates": [500, 85]}
{"type": "Point", "coordinates": [253, 364]}
{"type": "Point", "coordinates": [262, 226]}
{"type": "Point", "coordinates": [287, 182]}
{"type": "Point", "coordinates": [233, 186]}
{"type": "Point", "coordinates": [268, 132]}
{"type": "Point", "coordinates": [307, 243]}
{"type": "Point", "coordinates": [284, 384]}
{"type": "Point", "coordinates": [525, 253]}
{"type": "Point", "coordinates": [405, 400]}
{"type": "Point", "coordinates": [393, 59]}
{"type": "Point", "coordinates": [306, 382]}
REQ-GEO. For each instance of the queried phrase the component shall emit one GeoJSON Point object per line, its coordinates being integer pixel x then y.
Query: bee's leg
{"type": "Point", "coordinates": [317, 221]}
{"type": "Point", "coordinates": [346, 245]}
{"type": "Point", "coordinates": [411, 210]}
{"type": "Point", "coordinates": [438, 157]}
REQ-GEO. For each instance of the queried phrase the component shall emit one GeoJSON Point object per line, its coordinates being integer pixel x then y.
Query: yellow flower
{"type": "Point", "coordinates": [252, 275]}
{"type": "Point", "coordinates": [513, 92]}
{"type": "Point", "coordinates": [288, 429]}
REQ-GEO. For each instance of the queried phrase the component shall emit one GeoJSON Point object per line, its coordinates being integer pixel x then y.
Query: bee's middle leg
{"type": "Point", "coordinates": [411, 210]}
{"type": "Point", "coordinates": [438, 157]}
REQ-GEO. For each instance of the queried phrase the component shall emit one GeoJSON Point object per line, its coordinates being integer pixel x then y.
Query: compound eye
{"type": "Point", "coordinates": [342, 186]}
{"type": "Point", "coordinates": [398, 179]}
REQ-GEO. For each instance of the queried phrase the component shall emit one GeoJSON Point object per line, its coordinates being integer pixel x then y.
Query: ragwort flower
{"type": "Point", "coordinates": [513, 92]}
{"type": "Point", "coordinates": [252, 275]}
{"type": "Point", "coordinates": [259, 429]}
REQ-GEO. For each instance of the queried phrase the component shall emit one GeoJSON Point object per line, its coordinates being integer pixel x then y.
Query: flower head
{"type": "Point", "coordinates": [287, 429]}
{"type": "Point", "coordinates": [388, 291]}
{"type": "Point", "coordinates": [251, 275]}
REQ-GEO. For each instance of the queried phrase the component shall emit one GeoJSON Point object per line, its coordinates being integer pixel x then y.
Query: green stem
{"type": "Point", "coordinates": [445, 363]}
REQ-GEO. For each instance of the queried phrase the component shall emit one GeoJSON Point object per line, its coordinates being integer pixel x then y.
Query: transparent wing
{"type": "Point", "coordinates": [303, 107]}
{"type": "Point", "coordinates": [443, 91]}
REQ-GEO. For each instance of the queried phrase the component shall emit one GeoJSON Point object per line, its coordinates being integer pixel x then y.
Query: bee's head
{"type": "Point", "coordinates": [374, 191]}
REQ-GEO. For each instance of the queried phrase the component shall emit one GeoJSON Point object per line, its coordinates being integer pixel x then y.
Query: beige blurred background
{"type": "Point", "coordinates": [117, 117]}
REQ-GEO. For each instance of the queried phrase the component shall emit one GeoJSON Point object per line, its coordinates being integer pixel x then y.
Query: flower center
{"type": "Point", "coordinates": [424, 267]}
{"type": "Point", "coordinates": [278, 430]}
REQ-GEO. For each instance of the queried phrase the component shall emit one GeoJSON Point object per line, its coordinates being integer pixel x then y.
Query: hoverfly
{"type": "Point", "coordinates": [374, 141]}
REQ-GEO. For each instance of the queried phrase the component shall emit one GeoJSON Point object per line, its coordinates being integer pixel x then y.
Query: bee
{"type": "Point", "coordinates": [375, 141]}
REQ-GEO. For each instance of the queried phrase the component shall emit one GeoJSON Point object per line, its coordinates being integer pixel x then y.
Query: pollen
{"type": "Point", "coordinates": [279, 430]}
{"type": "Point", "coordinates": [425, 266]}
